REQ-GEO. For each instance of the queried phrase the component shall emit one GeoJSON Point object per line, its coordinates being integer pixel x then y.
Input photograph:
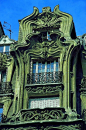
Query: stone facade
{"type": "Point", "coordinates": [45, 85]}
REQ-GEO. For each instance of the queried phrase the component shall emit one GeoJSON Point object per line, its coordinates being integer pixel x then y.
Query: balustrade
{"type": "Point", "coordinates": [44, 77]}
{"type": "Point", "coordinates": [5, 88]}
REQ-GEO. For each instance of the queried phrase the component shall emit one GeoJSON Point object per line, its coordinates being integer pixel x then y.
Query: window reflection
{"type": "Point", "coordinates": [4, 49]}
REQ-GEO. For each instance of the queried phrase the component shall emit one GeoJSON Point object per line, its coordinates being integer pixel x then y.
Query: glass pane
{"type": "Point", "coordinates": [1, 48]}
{"type": "Point", "coordinates": [48, 67]}
{"type": "Point", "coordinates": [3, 76]}
{"type": "Point", "coordinates": [56, 66]}
{"type": "Point", "coordinates": [7, 48]}
{"type": "Point", "coordinates": [1, 110]}
{"type": "Point", "coordinates": [44, 102]}
{"type": "Point", "coordinates": [34, 67]}
{"type": "Point", "coordinates": [43, 67]}
{"type": "Point", "coordinates": [52, 66]}
{"type": "Point", "coordinates": [39, 67]}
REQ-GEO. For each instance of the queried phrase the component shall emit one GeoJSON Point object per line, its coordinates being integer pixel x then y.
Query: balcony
{"type": "Point", "coordinates": [44, 77]}
{"type": "Point", "coordinates": [7, 54]}
{"type": "Point", "coordinates": [5, 88]}
{"type": "Point", "coordinates": [2, 118]}
{"type": "Point", "coordinates": [38, 114]}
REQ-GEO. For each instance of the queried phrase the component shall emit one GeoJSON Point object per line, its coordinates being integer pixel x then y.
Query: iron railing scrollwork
{"type": "Point", "coordinates": [5, 88]}
{"type": "Point", "coordinates": [44, 77]}
{"type": "Point", "coordinates": [2, 118]}
{"type": "Point", "coordinates": [7, 54]}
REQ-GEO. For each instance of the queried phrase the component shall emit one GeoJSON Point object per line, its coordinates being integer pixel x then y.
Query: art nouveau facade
{"type": "Point", "coordinates": [46, 72]}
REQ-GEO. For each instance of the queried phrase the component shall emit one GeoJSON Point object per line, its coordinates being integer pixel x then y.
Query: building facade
{"type": "Point", "coordinates": [45, 75]}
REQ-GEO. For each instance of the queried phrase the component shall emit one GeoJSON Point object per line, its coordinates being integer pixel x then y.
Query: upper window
{"type": "Point", "coordinates": [4, 49]}
{"type": "Point", "coordinates": [45, 72]}
{"type": "Point", "coordinates": [39, 67]}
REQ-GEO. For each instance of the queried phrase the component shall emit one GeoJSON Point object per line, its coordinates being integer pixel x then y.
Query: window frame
{"type": "Point", "coordinates": [1, 74]}
{"type": "Point", "coordinates": [4, 48]}
{"type": "Point", "coordinates": [56, 60]}
{"type": "Point", "coordinates": [44, 101]}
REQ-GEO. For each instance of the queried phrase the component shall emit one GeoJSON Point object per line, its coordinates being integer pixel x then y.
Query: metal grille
{"type": "Point", "coordinates": [1, 115]}
{"type": "Point", "coordinates": [5, 88]}
{"type": "Point", "coordinates": [6, 53]}
{"type": "Point", "coordinates": [45, 77]}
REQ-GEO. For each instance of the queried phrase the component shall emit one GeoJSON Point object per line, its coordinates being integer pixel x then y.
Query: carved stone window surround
{"type": "Point", "coordinates": [45, 90]}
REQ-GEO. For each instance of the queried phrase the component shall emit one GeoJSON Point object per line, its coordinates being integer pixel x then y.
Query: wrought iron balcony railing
{"type": "Point", "coordinates": [5, 88]}
{"type": "Point", "coordinates": [44, 77]}
{"type": "Point", "coordinates": [7, 54]}
{"type": "Point", "coordinates": [2, 118]}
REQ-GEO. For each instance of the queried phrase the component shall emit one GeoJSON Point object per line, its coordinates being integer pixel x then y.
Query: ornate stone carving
{"type": "Point", "coordinates": [44, 89]}
{"type": "Point", "coordinates": [5, 88]}
{"type": "Point", "coordinates": [44, 114]}
{"type": "Point", "coordinates": [84, 115]}
{"type": "Point", "coordinates": [46, 20]}
{"type": "Point", "coordinates": [39, 114]}
{"type": "Point", "coordinates": [3, 60]}
{"type": "Point", "coordinates": [48, 127]}
{"type": "Point", "coordinates": [83, 85]}
{"type": "Point", "coordinates": [62, 127]}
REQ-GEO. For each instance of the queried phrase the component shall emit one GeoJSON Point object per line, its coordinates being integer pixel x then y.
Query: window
{"type": "Point", "coordinates": [46, 36]}
{"type": "Point", "coordinates": [3, 81]}
{"type": "Point", "coordinates": [5, 49]}
{"type": "Point", "coordinates": [44, 102]}
{"type": "Point", "coordinates": [1, 48]}
{"type": "Point", "coordinates": [39, 67]}
{"type": "Point", "coordinates": [44, 72]}
{"type": "Point", "coordinates": [3, 76]}
{"type": "Point", "coordinates": [1, 113]}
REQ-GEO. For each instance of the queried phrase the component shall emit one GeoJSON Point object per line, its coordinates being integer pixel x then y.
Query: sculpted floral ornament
{"type": "Point", "coordinates": [83, 82]}
{"type": "Point", "coordinates": [83, 85]}
{"type": "Point", "coordinates": [44, 89]}
{"type": "Point", "coordinates": [46, 19]}
{"type": "Point", "coordinates": [48, 127]}
{"type": "Point", "coordinates": [39, 114]}
{"type": "Point", "coordinates": [3, 60]}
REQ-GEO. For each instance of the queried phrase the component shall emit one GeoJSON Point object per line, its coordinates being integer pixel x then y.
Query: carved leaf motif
{"type": "Point", "coordinates": [42, 114]}
{"type": "Point", "coordinates": [46, 89]}
{"type": "Point", "coordinates": [46, 19]}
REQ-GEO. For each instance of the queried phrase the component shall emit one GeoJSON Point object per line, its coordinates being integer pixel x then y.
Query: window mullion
{"type": "Point", "coordinates": [54, 65]}
{"type": "Point", "coordinates": [58, 64]}
{"type": "Point", "coordinates": [47, 35]}
{"type": "Point", "coordinates": [45, 71]}
{"type": "Point", "coordinates": [45, 66]}
{"type": "Point", "coordinates": [36, 67]}
{"type": "Point", "coordinates": [0, 76]}
{"type": "Point", "coordinates": [4, 49]}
